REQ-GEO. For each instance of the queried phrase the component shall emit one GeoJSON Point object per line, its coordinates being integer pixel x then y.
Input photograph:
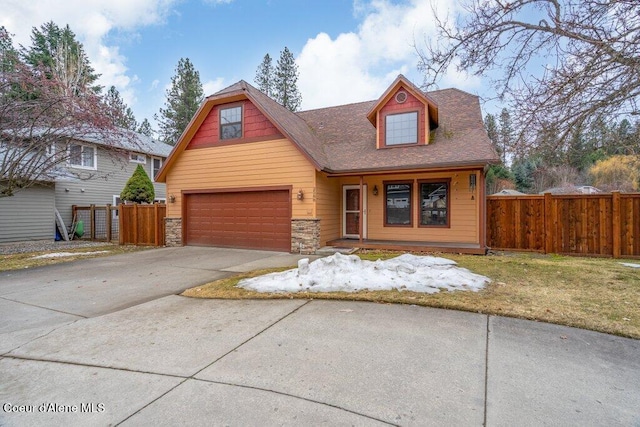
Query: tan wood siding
{"type": "Point", "coordinates": [328, 198]}
{"type": "Point", "coordinates": [251, 165]}
{"type": "Point", "coordinates": [464, 211]}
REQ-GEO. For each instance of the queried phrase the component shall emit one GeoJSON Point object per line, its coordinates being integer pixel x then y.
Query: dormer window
{"type": "Point", "coordinates": [401, 128]}
{"type": "Point", "coordinates": [231, 123]}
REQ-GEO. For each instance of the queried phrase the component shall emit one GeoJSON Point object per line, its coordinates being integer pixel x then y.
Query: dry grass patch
{"type": "Point", "coordinates": [29, 260]}
{"type": "Point", "coordinates": [590, 293]}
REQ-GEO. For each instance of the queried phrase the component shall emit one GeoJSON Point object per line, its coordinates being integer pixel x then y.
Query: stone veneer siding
{"type": "Point", "coordinates": [305, 236]}
{"type": "Point", "coordinates": [173, 231]}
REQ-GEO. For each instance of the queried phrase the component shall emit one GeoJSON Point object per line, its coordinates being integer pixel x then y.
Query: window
{"type": "Point", "coordinates": [402, 128]}
{"type": "Point", "coordinates": [82, 156]}
{"type": "Point", "coordinates": [157, 164]}
{"type": "Point", "coordinates": [398, 207]}
{"type": "Point", "coordinates": [231, 123]}
{"type": "Point", "coordinates": [138, 158]}
{"type": "Point", "coordinates": [116, 201]}
{"type": "Point", "coordinates": [434, 203]}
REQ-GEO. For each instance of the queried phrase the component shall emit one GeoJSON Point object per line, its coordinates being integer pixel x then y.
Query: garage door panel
{"type": "Point", "coordinates": [252, 219]}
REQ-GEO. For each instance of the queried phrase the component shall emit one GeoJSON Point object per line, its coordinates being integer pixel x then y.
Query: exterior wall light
{"type": "Point", "coordinates": [375, 190]}
{"type": "Point", "coordinates": [172, 199]}
{"type": "Point", "coordinates": [300, 195]}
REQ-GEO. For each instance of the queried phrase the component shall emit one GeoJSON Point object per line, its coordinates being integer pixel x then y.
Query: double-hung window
{"type": "Point", "coordinates": [157, 164]}
{"type": "Point", "coordinates": [231, 123]}
{"type": "Point", "coordinates": [82, 156]}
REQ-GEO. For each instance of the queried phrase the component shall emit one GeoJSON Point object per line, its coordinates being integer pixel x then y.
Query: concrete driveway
{"type": "Point", "coordinates": [77, 350]}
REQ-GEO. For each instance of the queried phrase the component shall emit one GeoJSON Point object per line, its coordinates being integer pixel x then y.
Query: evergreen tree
{"type": "Point", "coordinates": [505, 134]}
{"type": "Point", "coordinates": [265, 76]}
{"type": "Point", "coordinates": [145, 128]}
{"type": "Point", "coordinates": [9, 57]}
{"type": "Point", "coordinates": [63, 57]}
{"type": "Point", "coordinates": [492, 132]}
{"type": "Point", "coordinates": [286, 82]}
{"type": "Point", "coordinates": [120, 113]}
{"type": "Point", "coordinates": [139, 188]}
{"type": "Point", "coordinates": [183, 99]}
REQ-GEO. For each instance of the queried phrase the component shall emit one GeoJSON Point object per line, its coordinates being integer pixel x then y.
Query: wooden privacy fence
{"type": "Point", "coordinates": [142, 224]}
{"type": "Point", "coordinates": [585, 224]}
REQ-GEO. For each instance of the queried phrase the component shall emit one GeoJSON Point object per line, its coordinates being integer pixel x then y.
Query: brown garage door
{"type": "Point", "coordinates": [248, 219]}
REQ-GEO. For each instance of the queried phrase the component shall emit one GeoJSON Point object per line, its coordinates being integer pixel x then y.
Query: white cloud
{"type": "Point", "coordinates": [359, 66]}
{"type": "Point", "coordinates": [212, 86]}
{"type": "Point", "coordinates": [91, 21]}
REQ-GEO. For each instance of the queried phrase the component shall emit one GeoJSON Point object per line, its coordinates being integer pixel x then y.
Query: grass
{"type": "Point", "coordinates": [28, 260]}
{"type": "Point", "coordinates": [589, 293]}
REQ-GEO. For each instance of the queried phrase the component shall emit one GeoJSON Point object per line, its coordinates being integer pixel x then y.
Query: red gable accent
{"type": "Point", "coordinates": [411, 104]}
{"type": "Point", "coordinates": [256, 126]}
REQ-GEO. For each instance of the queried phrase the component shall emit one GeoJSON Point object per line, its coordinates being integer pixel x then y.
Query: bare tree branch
{"type": "Point", "coordinates": [561, 62]}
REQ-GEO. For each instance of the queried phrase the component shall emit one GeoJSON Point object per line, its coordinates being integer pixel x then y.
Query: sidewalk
{"type": "Point", "coordinates": [210, 362]}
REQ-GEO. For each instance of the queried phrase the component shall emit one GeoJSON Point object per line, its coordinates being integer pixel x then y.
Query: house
{"type": "Point", "coordinates": [572, 189]}
{"type": "Point", "coordinates": [95, 173]}
{"type": "Point", "coordinates": [508, 192]}
{"type": "Point", "coordinates": [248, 173]}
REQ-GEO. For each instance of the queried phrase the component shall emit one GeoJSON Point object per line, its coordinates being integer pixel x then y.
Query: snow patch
{"type": "Point", "coordinates": [348, 273]}
{"type": "Point", "coordinates": [65, 254]}
{"type": "Point", "coordinates": [628, 264]}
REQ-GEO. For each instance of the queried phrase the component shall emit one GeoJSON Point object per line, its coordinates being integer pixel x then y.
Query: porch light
{"type": "Point", "coordinates": [172, 199]}
{"type": "Point", "coordinates": [300, 195]}
{"type": "Point", "coordinates": [375, 190]}
{"type": "Point", "coordinates": [472, 182]}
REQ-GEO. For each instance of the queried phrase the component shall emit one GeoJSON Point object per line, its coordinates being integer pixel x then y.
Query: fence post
{"type": "Point", "coordinates": [135, 224]}
{"type": "Point", "coordinates": [548, 223]}
{"type": "Point", "coordinates": [92, 220]}
{"type": "Point", "coordinates": [120, 224]}
{"type": "Point", "coordinates": [108, 222]}
{"type": "Point", "coordinates": [156, 229]}
{"type": "Point", "coordinates": [615, 218]}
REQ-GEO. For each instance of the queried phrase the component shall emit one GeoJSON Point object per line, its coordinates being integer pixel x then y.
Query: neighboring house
{"type": "Point", "coordinates": [572, 189]}
{"type": "Point", "coordinates": [249, 173]}
{"type": "Point", "coordinates": [95, 174]}
{"type": "Point", "coordinates": [508, 192]}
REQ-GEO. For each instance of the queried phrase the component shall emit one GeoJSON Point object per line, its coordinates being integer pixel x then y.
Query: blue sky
{"type": "Point", "coordinates": [346, 51]}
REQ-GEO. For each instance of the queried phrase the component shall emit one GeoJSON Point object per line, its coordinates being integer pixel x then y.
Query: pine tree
{"type": "Point", "coordinates": [145, 128]}
{"type": "Point", "coordinates": [492, 132]}
{"type": "Point", "coordinates": [120, 113]}
{"type": "Point", "coordinates": [62, 57]}
{"type": "Point", "coordinates": [505, 134]}
{"type": "Point", "coordinates": [265, 76]}
{"type": "Point", "coordinates": [183, 99]}
{"type": "Point", "coordinates": [286, 79]}
{"type": "Point", "coordinates": [9, 57]}
{"type": "Point", "coordinates": [139, 188]}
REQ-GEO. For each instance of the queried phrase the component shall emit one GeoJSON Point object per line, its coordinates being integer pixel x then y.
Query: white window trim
{"type": "Point", "coordinates": [139, 158]}
{"type": "Point", "coordinates": [95, 157]}
{"type": "Point", "coordinates": [153, 175]}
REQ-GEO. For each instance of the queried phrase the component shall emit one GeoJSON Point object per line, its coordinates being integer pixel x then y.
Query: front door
{"type": "Point", "coordinates": [351, 212]}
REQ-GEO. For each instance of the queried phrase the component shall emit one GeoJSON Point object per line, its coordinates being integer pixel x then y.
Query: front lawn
{"type": "Point", "coordinates": [590, 293]}
{"type": "Point", "coordinates": [63, 254]}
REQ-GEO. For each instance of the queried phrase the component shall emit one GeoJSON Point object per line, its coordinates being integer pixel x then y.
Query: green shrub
{"type": "Point", "coordinates": [139, 188]}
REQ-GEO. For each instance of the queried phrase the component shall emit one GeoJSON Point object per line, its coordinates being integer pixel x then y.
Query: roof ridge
{"type": "Point", "coordinates": [335, 106]}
